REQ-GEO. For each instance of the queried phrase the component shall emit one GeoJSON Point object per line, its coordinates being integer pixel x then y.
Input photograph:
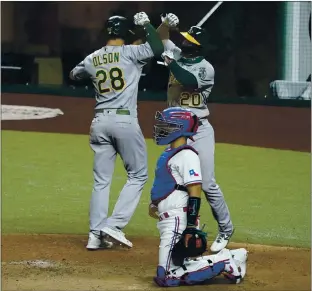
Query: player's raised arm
{"type": "Point", "coordinates": [79, 72]}
{"type": "Point", "coordinates": [154, 47]}
{"type": "Point", "coordinates": [163, 31]}
{"type": "Point", "coordinates": [168, 21]}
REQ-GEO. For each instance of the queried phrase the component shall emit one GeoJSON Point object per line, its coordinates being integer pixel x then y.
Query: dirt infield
{"type": "Point", "coordinates": [73, 268]}
{"type": "Point", "coordinates": [263, 126]}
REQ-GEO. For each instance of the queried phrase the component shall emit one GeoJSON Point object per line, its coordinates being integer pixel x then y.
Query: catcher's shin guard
{"type": "Point", "coordinates": [204, 274]}
{"type": "Point", "coordinates": [163, 280]}
{"type": "Point", "coordinates": [193, 272]}
{"type": "Point", "coordinates": [231, 270]}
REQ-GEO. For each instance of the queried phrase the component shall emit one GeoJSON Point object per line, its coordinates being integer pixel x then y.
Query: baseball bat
{"type": "Point", "coordinates": [202, 21]}
{"type": "Point", "coordinates": [211, 11]}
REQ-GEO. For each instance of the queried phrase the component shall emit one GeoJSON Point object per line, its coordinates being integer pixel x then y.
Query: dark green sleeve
{"type": "Point", "coordinates": [154, 40]}
{"type": "Point", "coordinates": [183, 76]}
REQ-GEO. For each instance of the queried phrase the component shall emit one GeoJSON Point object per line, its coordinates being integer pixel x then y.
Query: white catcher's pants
{"type": "Point", "coordinates": [170, 230]}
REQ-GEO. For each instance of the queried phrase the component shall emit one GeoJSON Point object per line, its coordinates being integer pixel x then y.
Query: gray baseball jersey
{"type": "Point", "coordinates": [115, 72]}
{"type": "Point", "coordinates": [179, 96]}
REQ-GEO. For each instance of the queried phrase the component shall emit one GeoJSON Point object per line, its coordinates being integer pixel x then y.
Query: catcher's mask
{"type": "Point", "coordinates": [192, 44]}
{"type": "Point", "coordinates": [173, 123]}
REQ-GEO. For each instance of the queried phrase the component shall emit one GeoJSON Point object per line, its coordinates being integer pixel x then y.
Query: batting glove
{"type": "Point", "coordinates": [167, 56]}
{"type": "Point", "coordinates": [170, 19]}
{"type": "Point", "coordinates": [141, 18]}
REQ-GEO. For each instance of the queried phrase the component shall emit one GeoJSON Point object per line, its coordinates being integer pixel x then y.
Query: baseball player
{"type": "Point", "coordinates": [115, 70]}
{"type": "Point", "coordinates": [190, 83]}
{"type": "Point", "coordinates": [175, 201]}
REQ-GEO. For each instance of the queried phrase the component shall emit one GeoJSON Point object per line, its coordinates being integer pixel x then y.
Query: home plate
{"type": "Point", "coordinates": [36, 263]}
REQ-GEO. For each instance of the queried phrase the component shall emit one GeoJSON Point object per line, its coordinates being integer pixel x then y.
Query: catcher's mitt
{"type": "Point", "coordinates": [193, 243]}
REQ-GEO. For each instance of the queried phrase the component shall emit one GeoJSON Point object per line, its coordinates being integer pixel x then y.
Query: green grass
{"type": "Point", "coordinates": [47, 182]}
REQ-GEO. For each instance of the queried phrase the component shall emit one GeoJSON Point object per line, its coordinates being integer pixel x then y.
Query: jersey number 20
{"type": "Point", "coordinates": [190, 99]}
{"type": "Point", "coordinates": [115, 75]}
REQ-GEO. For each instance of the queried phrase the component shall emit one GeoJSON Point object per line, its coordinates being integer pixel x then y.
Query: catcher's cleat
{"type": "Point", "coordinates": [240, 258]}
{"type": "Point", "coordinates": [116, 234]}
{"type": "Point", "coordinates": [97, 242]}
{"type": "Point", "coordinates": [221, 242]}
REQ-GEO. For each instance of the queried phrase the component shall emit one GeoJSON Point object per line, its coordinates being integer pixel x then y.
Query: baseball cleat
{"type": "Point", "coordinates": [220, 242]}
{"type": "Point", "coordinates": [231, 270]}
{"type": "Point", "coordinates": [116, 234]}
{"type": "Point", "coordinates": [96, 242]}
{"type": "Point", "coordinates": [240, 258]}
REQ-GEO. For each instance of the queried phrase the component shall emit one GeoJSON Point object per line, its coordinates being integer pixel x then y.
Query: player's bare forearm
{"type": "Point", "coordinates": [163, 31]}
{"type": "Point", "coordinates": [194, 190]}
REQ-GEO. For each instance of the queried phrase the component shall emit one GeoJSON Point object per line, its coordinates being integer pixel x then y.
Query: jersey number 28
{"type": "Point", "coordinates": [115, 75]}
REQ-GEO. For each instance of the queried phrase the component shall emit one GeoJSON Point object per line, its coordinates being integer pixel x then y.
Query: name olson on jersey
{"type": "Point", "coordinates": [109, 58]}
{"type": "Point", "coordinates": [112, 79]}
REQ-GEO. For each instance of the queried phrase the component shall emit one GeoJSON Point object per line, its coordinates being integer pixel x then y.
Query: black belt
{"type": "Point", "coordinates": [118, 111]}
{"type": "Point", "coordinates": [180, 187]}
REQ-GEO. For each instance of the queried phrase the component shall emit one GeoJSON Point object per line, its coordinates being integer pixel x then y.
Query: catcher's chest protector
{"type": "Point", "coordinates": [164, 182]}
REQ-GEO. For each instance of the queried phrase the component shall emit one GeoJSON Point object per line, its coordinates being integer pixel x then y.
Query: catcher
{"type": "Point", "coordinates": [175, 201]}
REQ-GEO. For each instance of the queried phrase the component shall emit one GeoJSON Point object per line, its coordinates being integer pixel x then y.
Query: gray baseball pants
{"type": "Point", "coordinates": [112, 132]}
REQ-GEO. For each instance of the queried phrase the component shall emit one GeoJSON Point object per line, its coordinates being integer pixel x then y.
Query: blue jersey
{"type": "Point", "coordinates": [164, 182]}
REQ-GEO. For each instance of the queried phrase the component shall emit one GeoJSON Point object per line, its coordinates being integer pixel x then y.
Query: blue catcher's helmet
{"type": "Point", "coordinates": [173, 123]}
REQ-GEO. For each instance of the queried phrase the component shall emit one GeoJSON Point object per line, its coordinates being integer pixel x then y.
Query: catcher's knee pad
{"type": "Point", "coordinates": [202, 275]}
{"type": "Point", "coordinates": [162, 280]}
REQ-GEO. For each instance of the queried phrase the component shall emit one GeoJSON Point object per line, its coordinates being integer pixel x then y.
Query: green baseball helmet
{"type": "Point", "coordinates": [118, 26]}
